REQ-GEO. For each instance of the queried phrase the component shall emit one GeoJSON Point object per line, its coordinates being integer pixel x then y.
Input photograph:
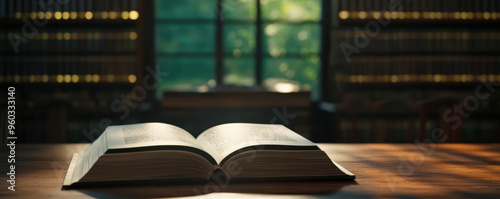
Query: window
{"type": "Point", "coordinates": [273, 43]}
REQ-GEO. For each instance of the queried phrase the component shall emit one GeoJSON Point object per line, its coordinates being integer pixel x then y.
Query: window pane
{"type": "Point", "coordinates": [286, 39]}
{"type": "Point", "coordinates": [239, 71]}
{"type": "Point", "coordinates": [185, 38]}
{"type": "Point", "coordinates": [185, 9]}
{"type": "Point", "coordinates": [239, 9]}
{"type": "Point", "coordinates": [297, 71]}
{"type": "Point", "coordinates": [291, 10]}
{"type": "Point", "coordinates": [239, 39]}
{"type": "Point", "coordinates": [186, 73]}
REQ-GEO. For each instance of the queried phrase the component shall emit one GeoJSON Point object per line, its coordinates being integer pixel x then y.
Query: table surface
{"type": "Point", "coordinates": [382, 170]}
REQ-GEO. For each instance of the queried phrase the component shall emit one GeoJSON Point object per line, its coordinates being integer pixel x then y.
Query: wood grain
{"type": "Point", "coordinates": [382, 170]}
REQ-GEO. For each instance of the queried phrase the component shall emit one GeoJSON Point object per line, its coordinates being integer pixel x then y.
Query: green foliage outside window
{"type": "Point", "coordinates": [186, 32]}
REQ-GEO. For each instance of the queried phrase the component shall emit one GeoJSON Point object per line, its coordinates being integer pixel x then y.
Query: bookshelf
{"type": "Point", "coordinates": [396, 67]}
{"type": "Point", "coordinates": [69, 61]}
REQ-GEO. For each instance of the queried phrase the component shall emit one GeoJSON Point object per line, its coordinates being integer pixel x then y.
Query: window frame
{"type": "Point", "coordinates": [259, 54]}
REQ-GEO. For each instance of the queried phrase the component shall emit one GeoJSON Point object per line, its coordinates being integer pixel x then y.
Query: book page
{"type": "Point", "coordinates": [222, 140]}
{"type": "Point", "coordinates": [131, 136]}
{"type": "Point", "coordinates": [148, 134]}
{"type": "Point", "coordinates": [88, 157]}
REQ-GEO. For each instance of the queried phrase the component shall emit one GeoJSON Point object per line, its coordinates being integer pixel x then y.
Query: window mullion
{"type": "Point", "coordinates": [219, 50]}
{"type": "Point", "coordinates": [258, 46]}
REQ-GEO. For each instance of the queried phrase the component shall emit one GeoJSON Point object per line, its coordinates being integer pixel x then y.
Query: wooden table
{"type": "Point", "coordinates": [382, 170]}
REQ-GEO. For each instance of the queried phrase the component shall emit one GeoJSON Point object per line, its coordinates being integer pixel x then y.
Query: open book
{"type": "Point", "coordinates": [236, 151]}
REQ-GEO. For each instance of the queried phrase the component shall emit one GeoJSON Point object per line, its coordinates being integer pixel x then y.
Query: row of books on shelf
{"type": "Point", "coordinates": [436, 16]}
{"type": "Point", "coordinates": [69, 78]}
{"type": "Point", "coordinates": [418, 41]}
{"type": "Point", "coordinates": [83, 99]}
{"type": "Point", "coordinates": [409, 130]}
{"type": "Point", "coordinates": [47, 109]}
{"type": "Point", "coordinates": [419, 9]}
{"type": "Point", "coordinates": [74, 41]}
{"type": "Point", "coordinates": [413, 78]}
{"type": "Point", "coordinates": [420, 69]}
{"type": "Point", "coordinates": [77, 69]}
{"type": "Point", "coordinates": [80, 104]}
{"type": "Point", "coordinates": [72, 111]}
{"type": "Point", "coordinates": [409, 102]}
{"type": "Point", "coordinates": [69, 9]}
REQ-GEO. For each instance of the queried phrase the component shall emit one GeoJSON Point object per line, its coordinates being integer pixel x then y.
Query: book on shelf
{"type": "Point", "coordinates": [70, 10]}
{"type": "Point", "coordinates": [483, 10]}
{"type": "Point", "coordinates": [159, 152]}
{"type": "Point", "coordinates": [405, 55]}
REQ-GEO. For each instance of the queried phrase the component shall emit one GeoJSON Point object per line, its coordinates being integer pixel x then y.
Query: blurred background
{"type": "Point", "coordinates": [331, 70]}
